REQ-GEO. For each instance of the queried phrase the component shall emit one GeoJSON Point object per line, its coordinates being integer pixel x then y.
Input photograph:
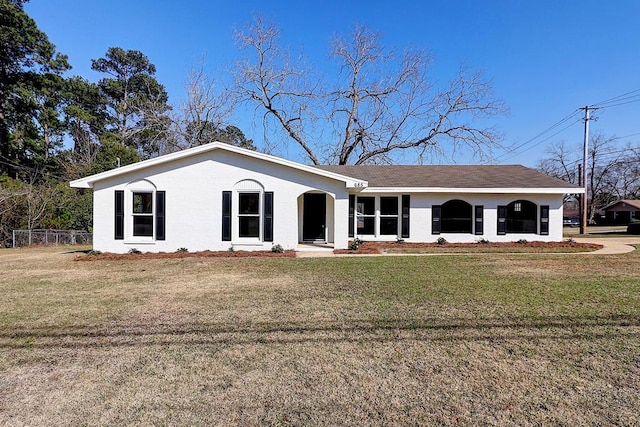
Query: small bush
{"type": "Point", "coordinates": [355, 244]}
{"type": "Point", "coordinates": [92, 252]}
{"type": "Point", "coordinates": [522, 241]}
{"type": "Point", "coordinates": [134, 251]}
{"type": "Point", "coordinates": [399, 240]}
{"type": "Point", "coordinates": [569, 240]}
{"type": "Point", "coordinates": [441, 240]}
{"type": "Point", "coordinates": [635, 221]}
{"type": "Point", "coordinates": [633, 228]}
{"type": "Point", "coordinates": [482, 240]}
{"type": "Point", "coordinates": [277, 249]}
{"type": "Point", "coordinates": [183, 250]}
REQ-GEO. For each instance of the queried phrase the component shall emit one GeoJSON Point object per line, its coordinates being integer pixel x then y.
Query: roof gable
{"type": "Point", "coordinates": [88, 182]}
{"type": "Point", "coordinates": [628, 202]}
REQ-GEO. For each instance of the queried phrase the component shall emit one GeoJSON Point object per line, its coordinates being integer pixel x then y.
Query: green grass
{"type": "Point", "coordinates": [519, 340]}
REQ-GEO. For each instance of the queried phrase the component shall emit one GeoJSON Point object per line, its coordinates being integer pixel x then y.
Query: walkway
{"type": "Point", "coordinates": [612, 245]}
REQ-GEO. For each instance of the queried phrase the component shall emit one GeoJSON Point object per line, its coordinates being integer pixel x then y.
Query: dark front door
{"type": "Point", "coordinates": [314, 216]}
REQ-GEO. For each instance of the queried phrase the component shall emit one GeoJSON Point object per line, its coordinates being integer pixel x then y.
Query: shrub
{"type": "Point", "coordinates": [134, 251]}
{"type": "Point", "coordinates": [183, 250]}
{"type": "Point", "coordinates": [277, 249]}
{"type": "Point", "coordinates": [633, 228]}
{"type": "Point", "coordinates": [92, 252]}
{"type": "Point", "coordinates": [482, 240]}
{"type": "Point", "coordinates": [441, 240]}
{"type": "Point", "coordinates": [522, 241]}
{"type": "Point", "coordinates": [355, 244]}
{"type": "Point", "coordinates": [399, 240]}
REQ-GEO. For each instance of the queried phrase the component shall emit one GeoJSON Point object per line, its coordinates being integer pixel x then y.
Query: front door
{"type": "Point", "coordinates": [314, 216]}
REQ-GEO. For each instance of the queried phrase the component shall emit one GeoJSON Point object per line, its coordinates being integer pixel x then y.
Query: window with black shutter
{"type": "Point", "coordinates": [502, 220]}
{"type": "Point", "coordinates": [479, 220]}
{"type": "Point", "coordinates": [226, 216]}
{"type": "Point", "coordinates": [436, 226]}
{"type": "Point", "coordinates": [406, 202]}
{"type": "Point", "coordinates": [352, 208]}
{"type": "Point", "coordinates": [268, 217]}
{"type": "Point", "coordinates": [544, 220]}
{"type": "Point", "coordinates": [119, 215]}
{"type": "Point", "coordinates": [160, 215]}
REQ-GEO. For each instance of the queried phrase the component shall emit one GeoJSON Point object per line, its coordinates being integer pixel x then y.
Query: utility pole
{"type": "Point", "coordinates": [585, 185]}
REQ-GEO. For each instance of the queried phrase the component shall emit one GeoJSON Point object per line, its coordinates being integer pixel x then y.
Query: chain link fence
{"type": "Point", "coordinates": [51, 237]}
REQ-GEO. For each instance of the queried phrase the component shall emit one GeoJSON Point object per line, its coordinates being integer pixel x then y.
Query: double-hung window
{"type": "Point", "coordinates": [143, 214]}
{"type": "Point", "coordinates": [366, 215]}
{"type": "Point", "coordinates": [388, 216]}
{"type": "Point", "coordinates": [249, 215]}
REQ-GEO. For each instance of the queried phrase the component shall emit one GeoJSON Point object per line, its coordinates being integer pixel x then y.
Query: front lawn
{"type": "Point", "coordinates": [521, 340]}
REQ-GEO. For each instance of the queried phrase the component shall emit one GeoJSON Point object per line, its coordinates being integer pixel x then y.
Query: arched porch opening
{"type": "Point", "coordinates": [315, 217]}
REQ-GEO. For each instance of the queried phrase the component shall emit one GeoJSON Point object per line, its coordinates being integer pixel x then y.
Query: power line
{"type": "Point", "coordinates": [513, 151]}
{"type": "Point", "coordinates": [618, 98]}
{"type": "Point", "coordinates": [621, 103]}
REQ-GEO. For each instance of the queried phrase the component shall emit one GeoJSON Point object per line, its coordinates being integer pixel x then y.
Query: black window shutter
{"type": "Point", "coordinates": [119, 215]}
{"type": "Point", "coordinates": [406, 204]}
{"type": "Point", "coordinates": [226, 216]}
{"type": "Point", "coordinates": [352, 208]}
{"type": "Point", "coordinates": [268, 217]}
{"type": "Point", "coordinates": [502, 220]}
{"type": "Point", "coordinates": [160, 209]}
{"type": "Point", "coordinates": [435, 219]}
{"type": "Point", "coordinates": [479, 220]}
{"type": "Point", "coordinates": [544, 220]}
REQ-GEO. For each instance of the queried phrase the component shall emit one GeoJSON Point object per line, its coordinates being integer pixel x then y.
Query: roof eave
{"type": "Point", "coordinates": [475, 190]}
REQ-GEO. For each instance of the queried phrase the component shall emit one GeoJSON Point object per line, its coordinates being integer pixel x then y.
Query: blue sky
{"type": "Point", "coordinates": [546, 58]}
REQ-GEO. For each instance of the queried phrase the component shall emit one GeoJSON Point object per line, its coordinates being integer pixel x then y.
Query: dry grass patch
{"type": "Point", "coordinates": [517, 340]}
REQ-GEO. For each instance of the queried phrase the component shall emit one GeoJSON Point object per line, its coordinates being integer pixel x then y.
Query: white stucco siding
{"type": "Point", "coordinates": [193, 214]}
{"type": "Point", "coordinates": [193, 183]}
{"type": "Point", "coordinates": [421, 217]}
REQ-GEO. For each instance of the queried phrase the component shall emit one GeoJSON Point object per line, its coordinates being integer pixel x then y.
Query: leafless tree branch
{"type": "Point", "coordinates": [381, 103]}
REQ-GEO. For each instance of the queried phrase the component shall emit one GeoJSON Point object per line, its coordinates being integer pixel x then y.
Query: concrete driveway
{"type": "Point", "coordinates": [612, 245]}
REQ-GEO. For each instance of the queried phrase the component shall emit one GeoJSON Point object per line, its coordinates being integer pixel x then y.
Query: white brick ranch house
{"type": "Point", "coordinates": [218, 196]}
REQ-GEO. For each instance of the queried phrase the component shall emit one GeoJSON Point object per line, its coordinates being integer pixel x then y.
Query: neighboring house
{"type": "Point", "coordinates": [622, 212]}
{"type": "Point", "coordinates": [218, 196]}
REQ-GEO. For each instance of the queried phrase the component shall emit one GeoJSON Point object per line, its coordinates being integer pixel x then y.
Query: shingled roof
{"type": "Point", "coordinates": [450, 176]}
{"type": "Point", "coordinates": [625, 203]}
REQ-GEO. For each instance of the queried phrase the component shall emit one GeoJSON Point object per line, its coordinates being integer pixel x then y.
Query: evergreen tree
{"type": "Point", "coordinates": [29, 67]}
{"type": "Point", "coordinates": [136, 101]}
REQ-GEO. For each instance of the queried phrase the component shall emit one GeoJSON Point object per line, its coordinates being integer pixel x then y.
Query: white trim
{"type": "Point", "coordinates": [89, 181]}
{"type": "Point", "coordinates": [492, 190]}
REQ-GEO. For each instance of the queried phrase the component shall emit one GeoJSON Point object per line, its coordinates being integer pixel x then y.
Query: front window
{"type": "Point", "coordinates": [456, 217]}
{"type": "Point", "coordinates": [249, 214]}
{"type": "Point", "coordinates": [366, 215]}
{"type": "Point", "coordinates": [522, 217]}
{"type": "Point", "coordinates": [143, 214]}
{"type": "Point", "coordinates": [389, 216]}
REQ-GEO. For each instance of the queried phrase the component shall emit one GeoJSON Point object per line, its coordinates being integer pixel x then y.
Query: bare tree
{"type": "Point", "coordinates": [205, 111]}
{"type": "Point", "coordinates": [613, 172]}
{"type": "Point", "coordinates": [561, 163]}
{"type": "Point", "coordinates": [380, 104]}
{"type": "Point", "coordinates": [10, 212]}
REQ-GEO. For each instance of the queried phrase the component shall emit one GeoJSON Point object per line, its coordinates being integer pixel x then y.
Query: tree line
{"type": "Point", "coordinates": [55, 127]}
